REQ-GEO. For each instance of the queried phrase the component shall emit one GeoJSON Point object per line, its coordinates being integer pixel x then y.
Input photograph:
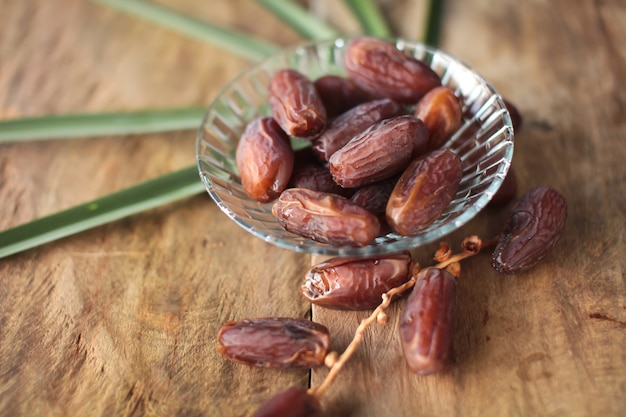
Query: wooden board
{"type": "Point", "coordinates": [122, 319]}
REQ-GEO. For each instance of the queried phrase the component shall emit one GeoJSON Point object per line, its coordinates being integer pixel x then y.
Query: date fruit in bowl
{"type": "Point", "coordinates": [465, 116]}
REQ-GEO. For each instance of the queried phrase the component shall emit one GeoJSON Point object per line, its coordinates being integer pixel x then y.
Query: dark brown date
{"type": "Point", "coordinates": [339, 94]}
{"type": "Point", "coordinates": [325, 217]}
{"type": "Point", "coordinates": [293, 402]}
{"type": "Point", "coordinates": [352, 283]}
{"type": "Point", "coordinates": [374, 197]}
{"type": "Point", "coordinates": [507, 191]}
{"type": "Point", "coordinates": [442, 114]}
{"type": "Point", "coordinates": [427, 322]}
{"type": "Point", "coordinates": [353, 122]}
{"type": "Point", "coordinates": [516, 116]}
{"type": "Point", "coordinates": [277, 342]}
{"type": "Point", "coordinates": [264, 159]}
{"type": "Point", "coordinates": [295, 104]}
{"type": "Point", "coordinates": [315, 176]}
{"type": "Point", "coordinates": [383, 71]}
{"type": "Point", "coordinates": [381, 151]}
{"type": "Point", "coordinates": [423, 191]}
{"type": "Point", "coordinates": [532, 229]}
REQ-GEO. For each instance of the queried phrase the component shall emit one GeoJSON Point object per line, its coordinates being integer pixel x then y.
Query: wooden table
{"type": "Point", "coordinates": [122, 319]}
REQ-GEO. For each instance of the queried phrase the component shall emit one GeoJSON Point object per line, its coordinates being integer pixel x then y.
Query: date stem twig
{"type": "Point", "coordinates": [358, 337]}
{"type": "Point", "coordinates": [471, 246]}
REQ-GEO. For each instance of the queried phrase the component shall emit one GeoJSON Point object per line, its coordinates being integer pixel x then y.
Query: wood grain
{"type": "Point", "coordinates": [121, 320]}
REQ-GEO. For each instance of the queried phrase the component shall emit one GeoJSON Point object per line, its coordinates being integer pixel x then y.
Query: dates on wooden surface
{"type": "Point", "coordinates": [276, 342]}
{"type": "Point", "coordinates": [353, 122]}
{"type": "Point", "coordinates": [441, 112]}
{"type": "Point", "coordinates": [355, 283]}
{"type": "Point", "coordinates": [264, 159]}
{"type": "Point", "coordinates": [293, 402]}
{"type": "Point", "coordinates": [296, 105]}
{"type": "Point", "coordinates": [427, 322]}
{"type": "Point", "coordinates": [325, 217]}
{"type": "Point", "coordinates": [383, 71]}
{"type": "Point", "coordinates": [423, 191]}
{"type": "Point", "coordinates": [532, 229]}
{"type": "Point", "coordinates": [380, 152]}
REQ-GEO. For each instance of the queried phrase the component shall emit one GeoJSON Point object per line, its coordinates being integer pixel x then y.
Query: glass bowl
{"type": "Point", "coordinates": [484, 143]}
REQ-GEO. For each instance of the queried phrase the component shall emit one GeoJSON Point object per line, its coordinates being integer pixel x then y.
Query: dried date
{"type": "Point", "coordinates": [427, 321]}
{"type": "Point", "coordinates": [296, 105]}
{"type": "Point", "coordinates": [383, 71]}
{"type": "Point", "coordinates": [423, 191]}
{"type": "Point", "coordinates": [441, 112]}
{"type": "Point", "coordinates": [264, 159]}
{"type": "Point", "coordinates": [352, 283]}
{"type": "Point", "coordinates": [277, 342]}
{"type": "Point", "coordinates": [507, 191]}
{"type": "Point", "coordinates": [339, 94]}
{"type": "Point", "coordinates": [516, 116]}
{"type": "Point", "coordinates": [381, 151]}
{"type": "Point", "coordinates": [374, 197]}
{"type": "Point", "coordinates": [293, 402]}
{"type": "Point", "coordinates": [315, 176]}
{"type": "Point", "coordinates": [325, 217]}
{"type": "Point", "coordinates": [533, 227]}
{"type": "Point", "coordinates": [353, 122]}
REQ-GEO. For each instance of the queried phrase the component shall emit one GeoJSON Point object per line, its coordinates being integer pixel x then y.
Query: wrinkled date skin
{"type": "Point", "coordinates": [442, 114]}
{"type": "Point", "coordinates": [427, 322]}
{"type": "Point", "coordinates": [264, 159]}
{"type": "Point", "coordinates": [339, 94]}
{"type": "Point", "coordinates": [381, 151]}
{"type": "Point", "coordinates": [277, 342]}
{"type": "Point", "coordinates": [353, 122]}
{"type": "Point", "coordinates": [374, 197]}
{"type": "Point", "coordinates": [293, 402]}
{"type": "Point", "coordinates": [315, 176]}
{"type": "Point", "coordinates": [296, 105]}
{"type": "Point", "coordinates": [383, 71]}
{"type": "Point", "coordinates": [352, 283]}
{"type": "Point", "coordinates": [533, 228]}
{"type": "Point", "coordinates": [423, 191]}
{"type": "Point", "coordinates": [325, 217]}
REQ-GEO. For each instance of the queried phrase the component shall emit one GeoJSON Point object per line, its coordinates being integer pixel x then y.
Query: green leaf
{"type": "Point", "coordinates": [147, 195]}
{"type": "Point", "coordinates": [231, 41]}
{"type": "Point", "coordinates": [305, 23]}
{"type": "Point", "coordinates": [368, 14]}
{"type": "Point", "coordinates": [100, 124]}
{"type": "Point", "coordinates": [433, 22]}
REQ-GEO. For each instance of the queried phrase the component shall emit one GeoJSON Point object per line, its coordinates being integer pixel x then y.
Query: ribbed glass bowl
{"type": "Point", "coordinates": [484, 143]}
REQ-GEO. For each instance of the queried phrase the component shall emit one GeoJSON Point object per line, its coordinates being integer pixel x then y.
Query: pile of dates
{"type": "Point", "coordinates": [371, 167]}
{"type": "Point", "coordinates": [426, 326]}
{"type": "Point", "coordinates": [375, 162]}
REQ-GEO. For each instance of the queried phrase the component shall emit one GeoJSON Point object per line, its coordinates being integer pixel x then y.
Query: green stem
{"type": "Point", "coordinates": [144, 196]}
{"type": "Point", "coordinates": [298, 18]}
{"type": "Point", "coordinates": [237, 43]}
{"type": "Point", "coordinates": [100, 124]}
{"type": "Point", "coordinates": [368, 14]}
{"type": "Point", "coordinates": [433, 22]}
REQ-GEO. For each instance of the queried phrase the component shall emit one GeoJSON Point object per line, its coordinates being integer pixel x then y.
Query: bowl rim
{"type": "Point", "coordinates": [405, 242]}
